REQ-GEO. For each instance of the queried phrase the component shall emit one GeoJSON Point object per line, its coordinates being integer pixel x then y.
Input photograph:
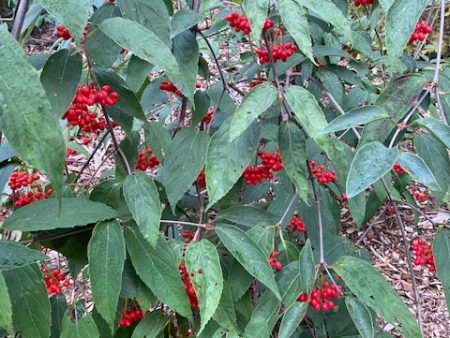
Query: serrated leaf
{"type": "Point", "coordinates": [372, 289]}
{"type": "Point", "coordinates": [158, 269]}
{"type": "Point", "coordinates": [291, 319]}
{"type": "Point", "coordinates": [356, 117]}
{"type": "Point", "coordinates": [222, 172]}
{"type": "Point", "coordinates": [72, 13]}
{"type": "Point", "coordinates": [371, 162]}
{"type": "Point", "coordinates": [183, 20]}
{"type": "Point", "coordinates": [307, 267]}
{"type": "Point", "coordinates": [141, 195]}
{"type": "Point", "coordinates": [157, 137]}
{"type": "Point", "coordinates": [257, 101]}
{"type": "Point", "coordinates": [294, 18]}
{"type": "Point", "coordinates": [147, 46]}
{"type": "Point", "coordinates": [29, 299]}
{"type": "Point", "coordinates": [106, 254]}
{"type": "Point", "coordinates": [438, 129]}
{"type": "Point", "coordinates": [60, 78]}
{"type": "Point", "coordinates": [188, 146]}
{"type": "Point", "coordinates": [293, 151]}
{"type": "Point", "coordinates": [151, 326]}
{"type": "Point", "coordinates": [361, 316]}
{"type": "Point", "coordinates": [13, 255]}
{"type": "Point", "coordinates": [418, 169]}
{"type": "Point", "coordinates": [82, 328]}
{"type": "Point", "coordinates": [44, 215]}
{"type": "Point", "coordinates": [202, 260]}
{"type": "Point", "coordinates": [441, 253]}
{"type": "Point", "coordinates": [256, 12]}
{"type": "Point", "coordinates": [248, 254]}
{"type": "Point", "coordinates": [25, 110]}
{"type": "Point", "coordinates": [5, 307]}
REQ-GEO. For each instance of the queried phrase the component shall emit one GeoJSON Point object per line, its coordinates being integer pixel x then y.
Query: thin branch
{"type": "Point", "coordinates": [19, 18]}
{"type": "Point", "coordinates": [440, 107]}
{"type": "Point", "coordinates": [285, 213]}
{"type": "Point", "coordinates": [203, 226]}
{"type": "Point", "coordinates": [374, 221]}
{"type": "Point", "coordinates": [424, 215]}
{"type": "Point", "coordinates": [440, 43]}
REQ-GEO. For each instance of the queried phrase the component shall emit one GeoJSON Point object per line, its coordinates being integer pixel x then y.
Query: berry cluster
{"type": "Point", "coordinates": [188, 286]}
{"type": "Point", "coordinates": [80, 112]}
{"type": "Point", "coordinates": [130, 316]}
{"type": "Point", "coordinates": [320, 297]}
{"type": "Point", "coordinates": [279, 52]}
{"type": "Point", "coordinates": [25, 188]}
{"type": "Point", "coordinates": [363, 2]}
{"type": "Point", "coordinates": [146, 160]}
{"type": "Point", "coordinates": [421, 32]}
{"type": "Point", "coordinates": [168, 86]}
{"type": "Point", "coordinates": [424, 254]}
{"type": "Point", "coordinates": [188, 236]}
{"type": "Point", "coordinates": [399, 170]}
{"type": "Point", "coordinates": [268, 24]}
{"type": "Point", "coordinates": [273, 262]}
{"type": "Point", "coordinates": [63, 33]}
{"type": "Point", "coordinates": [54, 281]}
{"type": "Point", "coordinates": [323, 176]}
{"type": "Point", "coordinates": [254, 175]}
{"type": "Point", "coordinates": [208, 117]}
{"type": "Point", "coordinates": [420, 196]}
{"type": "Point", "coordinates": [239, 23]}
{"type": "Point", "coordinates": [296, 224]}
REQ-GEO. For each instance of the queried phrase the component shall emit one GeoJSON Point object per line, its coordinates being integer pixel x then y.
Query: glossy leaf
{"type": "Point", "coordinates": [248, 254]}
{"type": "Point", "coordinates": [5, 307]}
{"type": "Point", "coordinates": [60, 78]}
{"type": "Point", "coordinates": [257, 101]}
{"type": "Point", "coordinates": [372, 289]}
{"type": "Point", "coordinates": [158, 269]}
{"type": "Point", "coordinates": [438, 129]}
{"type": "Point", "coordinates": [25, 110]}
{"type": "Point", "coordinates": [29, 299]}
{"type": "Point", "coordinates": [256, 12]}
{"type": "Point", "coordinates": [418, 169]}
{"type": "Point", "coordinates": [307, 267]}
{"type": "Point", "coordinates": [371, 162]}
{"type": "Point", "coordinates": [361, 316]}
{"type": "Point", "coordinates": [81, 328]}
{"type": "Point", "coordinates": [222, 172]}
{"type": "Point", "coordinates": [293, 151]}
{"type": "Point", "coordinates": [188, 146]}
{"type": "Point", "coordinates": [291, 319]}
{"type": "Point", "coordinates": [202, 260]}
{"type": "Point", "coordinates": [441, 253]}
{"type": "Point", "coordinates": [44, 215]}
{"type": "Point", "coordinates": [151, 325]}
{"type": "Point", "coordinates": [356, 117]}
{"type": "Point", "coordinates": [106, 253]}
{"type": "Point", "coordinates": [13, 255]}
{"type": "Point", "coordinates": [142, 198]}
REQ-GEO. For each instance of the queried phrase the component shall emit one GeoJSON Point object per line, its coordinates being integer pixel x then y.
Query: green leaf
{"type": "Point", "coordinates": [147, 46]}
{"type": "Point", "coordinates": [307, 267]}
{"type": "Point", "coordinates": [188, 146]}
{"type": "Point", "coordinates": [374, 291]}
{"type": "Point", "coordinates": [256, 12]}
{"type": "Point", "coordinates": [60, 78]}
{"type": "Point", "coordinates": [152, 15]}
{"type": "Point", "coordinates": [44, 215]}
{"type": "Point", "coordinates": [291, 319]}
{"type": "Point", "coordinates": [293, 151]}
{"type": "Point", "coordinates": [157, 137]}
{"type": "Point", "coordinates": [183, 20]}
{"type": "Point", "coordinates": [371, 162]}
{"type": "Point", "coordinates": [441, 253]}
{"type": "Point", "coordinates": [263, 235]}
{"type": "Point", "coordinates": [327, 11]}
{"type": "Point", "coordinates": [13, 255]}
{"type": "Point", "coordinates": [264, 317]}
{"type": "Point", "coordinates": [72, 13]}
{"type": "Point", "coordinates": [203, 261]}
{"type": "Point", "coordinates": [58, 304]}
{"type": "Point", "coordinates": [151, 326]}
{"type": "Point", "coordinates": [401, 19]}
{"type": "Point", "coordinates": [257, 101]}
{"type": "Point", "coordinates": [294, 18]}
{"type": "Point", "coordinates": [248, 254]}
{"type": "Point", "coordinates": [106, 253]}
{"type": "Point", "coordinates": [158, 269]}
{"type": "Point", "coordinates": [142, 198]}
{"type": "Point", "coordinates": [82, 328]}
{"type": "Point", "coordinates": [361, 316]}
{"type": "Point", "coordinates": [247, 215]}
{"type": "Point", "coordinates": [222, 172]}
{"type": "Point", "coordinates": [6, 322]}
{"type": "Point", "coordinates": [356, 117]}
{"type": "Point", "coordinates": [137, 72]}
{"type": "Point", "coordinates": [418, 169]}
{"type": "Point", "coordinates": [29, 299]}
{"type": "Point", "coordinates": [438, 129]}
{"type": "Point", "coordinates": [225, 314]}
{"type": "Point", "coordinates": [25, 110]}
